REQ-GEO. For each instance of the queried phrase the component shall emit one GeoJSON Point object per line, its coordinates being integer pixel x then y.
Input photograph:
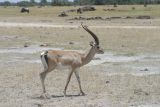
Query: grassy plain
{"type": "Point", "coordinates": [128, 72]}
{"type": "Point", "coordinates": [51, 12]}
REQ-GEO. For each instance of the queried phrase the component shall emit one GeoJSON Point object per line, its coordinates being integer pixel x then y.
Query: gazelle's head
{"type": "Point", "coordinates": [95, 44]}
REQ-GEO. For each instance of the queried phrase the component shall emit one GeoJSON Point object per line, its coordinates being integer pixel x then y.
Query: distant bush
{"type": "Point", "coordinates": [115, 5]}
{"type": "Point", "coordinates": [133, 8]}
{"type": "Point", "coordinates": [24, 4]}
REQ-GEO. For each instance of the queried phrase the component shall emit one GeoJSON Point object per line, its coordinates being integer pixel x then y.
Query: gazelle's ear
{"type": "Point", "coordinates": [91, 43]}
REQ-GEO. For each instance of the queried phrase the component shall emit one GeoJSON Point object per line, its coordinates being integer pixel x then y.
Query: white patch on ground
{"type": "Point", "coordinates": [26, 50]}
{"type": "Point", "coordinates": [109, 57]}
{"type": "Point", "coordinates": [20, 24]}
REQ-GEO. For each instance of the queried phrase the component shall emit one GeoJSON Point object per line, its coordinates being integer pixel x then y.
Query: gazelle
{"type": "Point", "coordinates": [54, 59]}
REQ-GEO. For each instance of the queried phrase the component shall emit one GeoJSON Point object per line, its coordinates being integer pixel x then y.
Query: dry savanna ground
{"type": "Point", "coordinates": [126, 75]}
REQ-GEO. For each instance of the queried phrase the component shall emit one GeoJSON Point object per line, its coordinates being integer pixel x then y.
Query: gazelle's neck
{"type": "Point", "coordinates": [88, 56]}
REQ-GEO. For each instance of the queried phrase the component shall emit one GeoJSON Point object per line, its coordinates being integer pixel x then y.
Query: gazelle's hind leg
{"type": "Point", "coordinates": [43, 74]}
{"type": "Point", "coordinates": [79, 82]}
{"type": "Point", "coordinates": [42, 77]}
{"type": "Point", "coordinates": [44, 60]}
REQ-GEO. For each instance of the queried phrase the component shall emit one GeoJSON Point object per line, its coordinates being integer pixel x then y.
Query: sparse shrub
{"type": "Point", "coordinates": [133, 8]}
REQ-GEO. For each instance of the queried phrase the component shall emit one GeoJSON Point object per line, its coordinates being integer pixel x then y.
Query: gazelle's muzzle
{"type": "Point", "coordinates": [100, 51]}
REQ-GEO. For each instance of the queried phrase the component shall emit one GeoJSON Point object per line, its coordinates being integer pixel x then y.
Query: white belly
{"type": "Point", "coordinates": [62, 67]}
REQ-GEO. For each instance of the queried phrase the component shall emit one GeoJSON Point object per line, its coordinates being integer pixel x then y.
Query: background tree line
{"type": "Point", "coordinates": [110, 2]}
{"type": "Point", "coordinates": [78, 2]}
{"type": "Point", "coordinates": [34, 3]}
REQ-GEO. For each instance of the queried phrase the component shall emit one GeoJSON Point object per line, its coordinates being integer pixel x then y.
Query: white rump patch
{"type": "Point", "coordinates": [43, 53]}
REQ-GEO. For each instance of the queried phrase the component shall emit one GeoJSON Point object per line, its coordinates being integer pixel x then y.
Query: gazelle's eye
{"type": "Point", "coordinates": [98, 47]}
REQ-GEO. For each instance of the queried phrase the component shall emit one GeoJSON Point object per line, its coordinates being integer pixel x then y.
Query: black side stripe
{"type": "Point", "coordinates": [45, 56]}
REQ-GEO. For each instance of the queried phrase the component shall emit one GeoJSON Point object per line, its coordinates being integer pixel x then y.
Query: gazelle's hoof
{"type": "Point", "coordinates": [82, 93]}
{"type": "Point", "coordinates": [64, 92]}
{"type": "Point", "coordinates": [45, 96]}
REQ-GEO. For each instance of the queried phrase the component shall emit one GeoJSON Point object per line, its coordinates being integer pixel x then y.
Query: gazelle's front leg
{"type": "Point", "coordinates": [79, 82]}
{"type": "Point", "coordinates": [68, 80]}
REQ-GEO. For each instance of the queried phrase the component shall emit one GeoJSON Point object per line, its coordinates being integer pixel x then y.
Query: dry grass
{"type": "Point", "coordinates": [52, 12]}
{"type": "Point", "coordinates": [116, 40]}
